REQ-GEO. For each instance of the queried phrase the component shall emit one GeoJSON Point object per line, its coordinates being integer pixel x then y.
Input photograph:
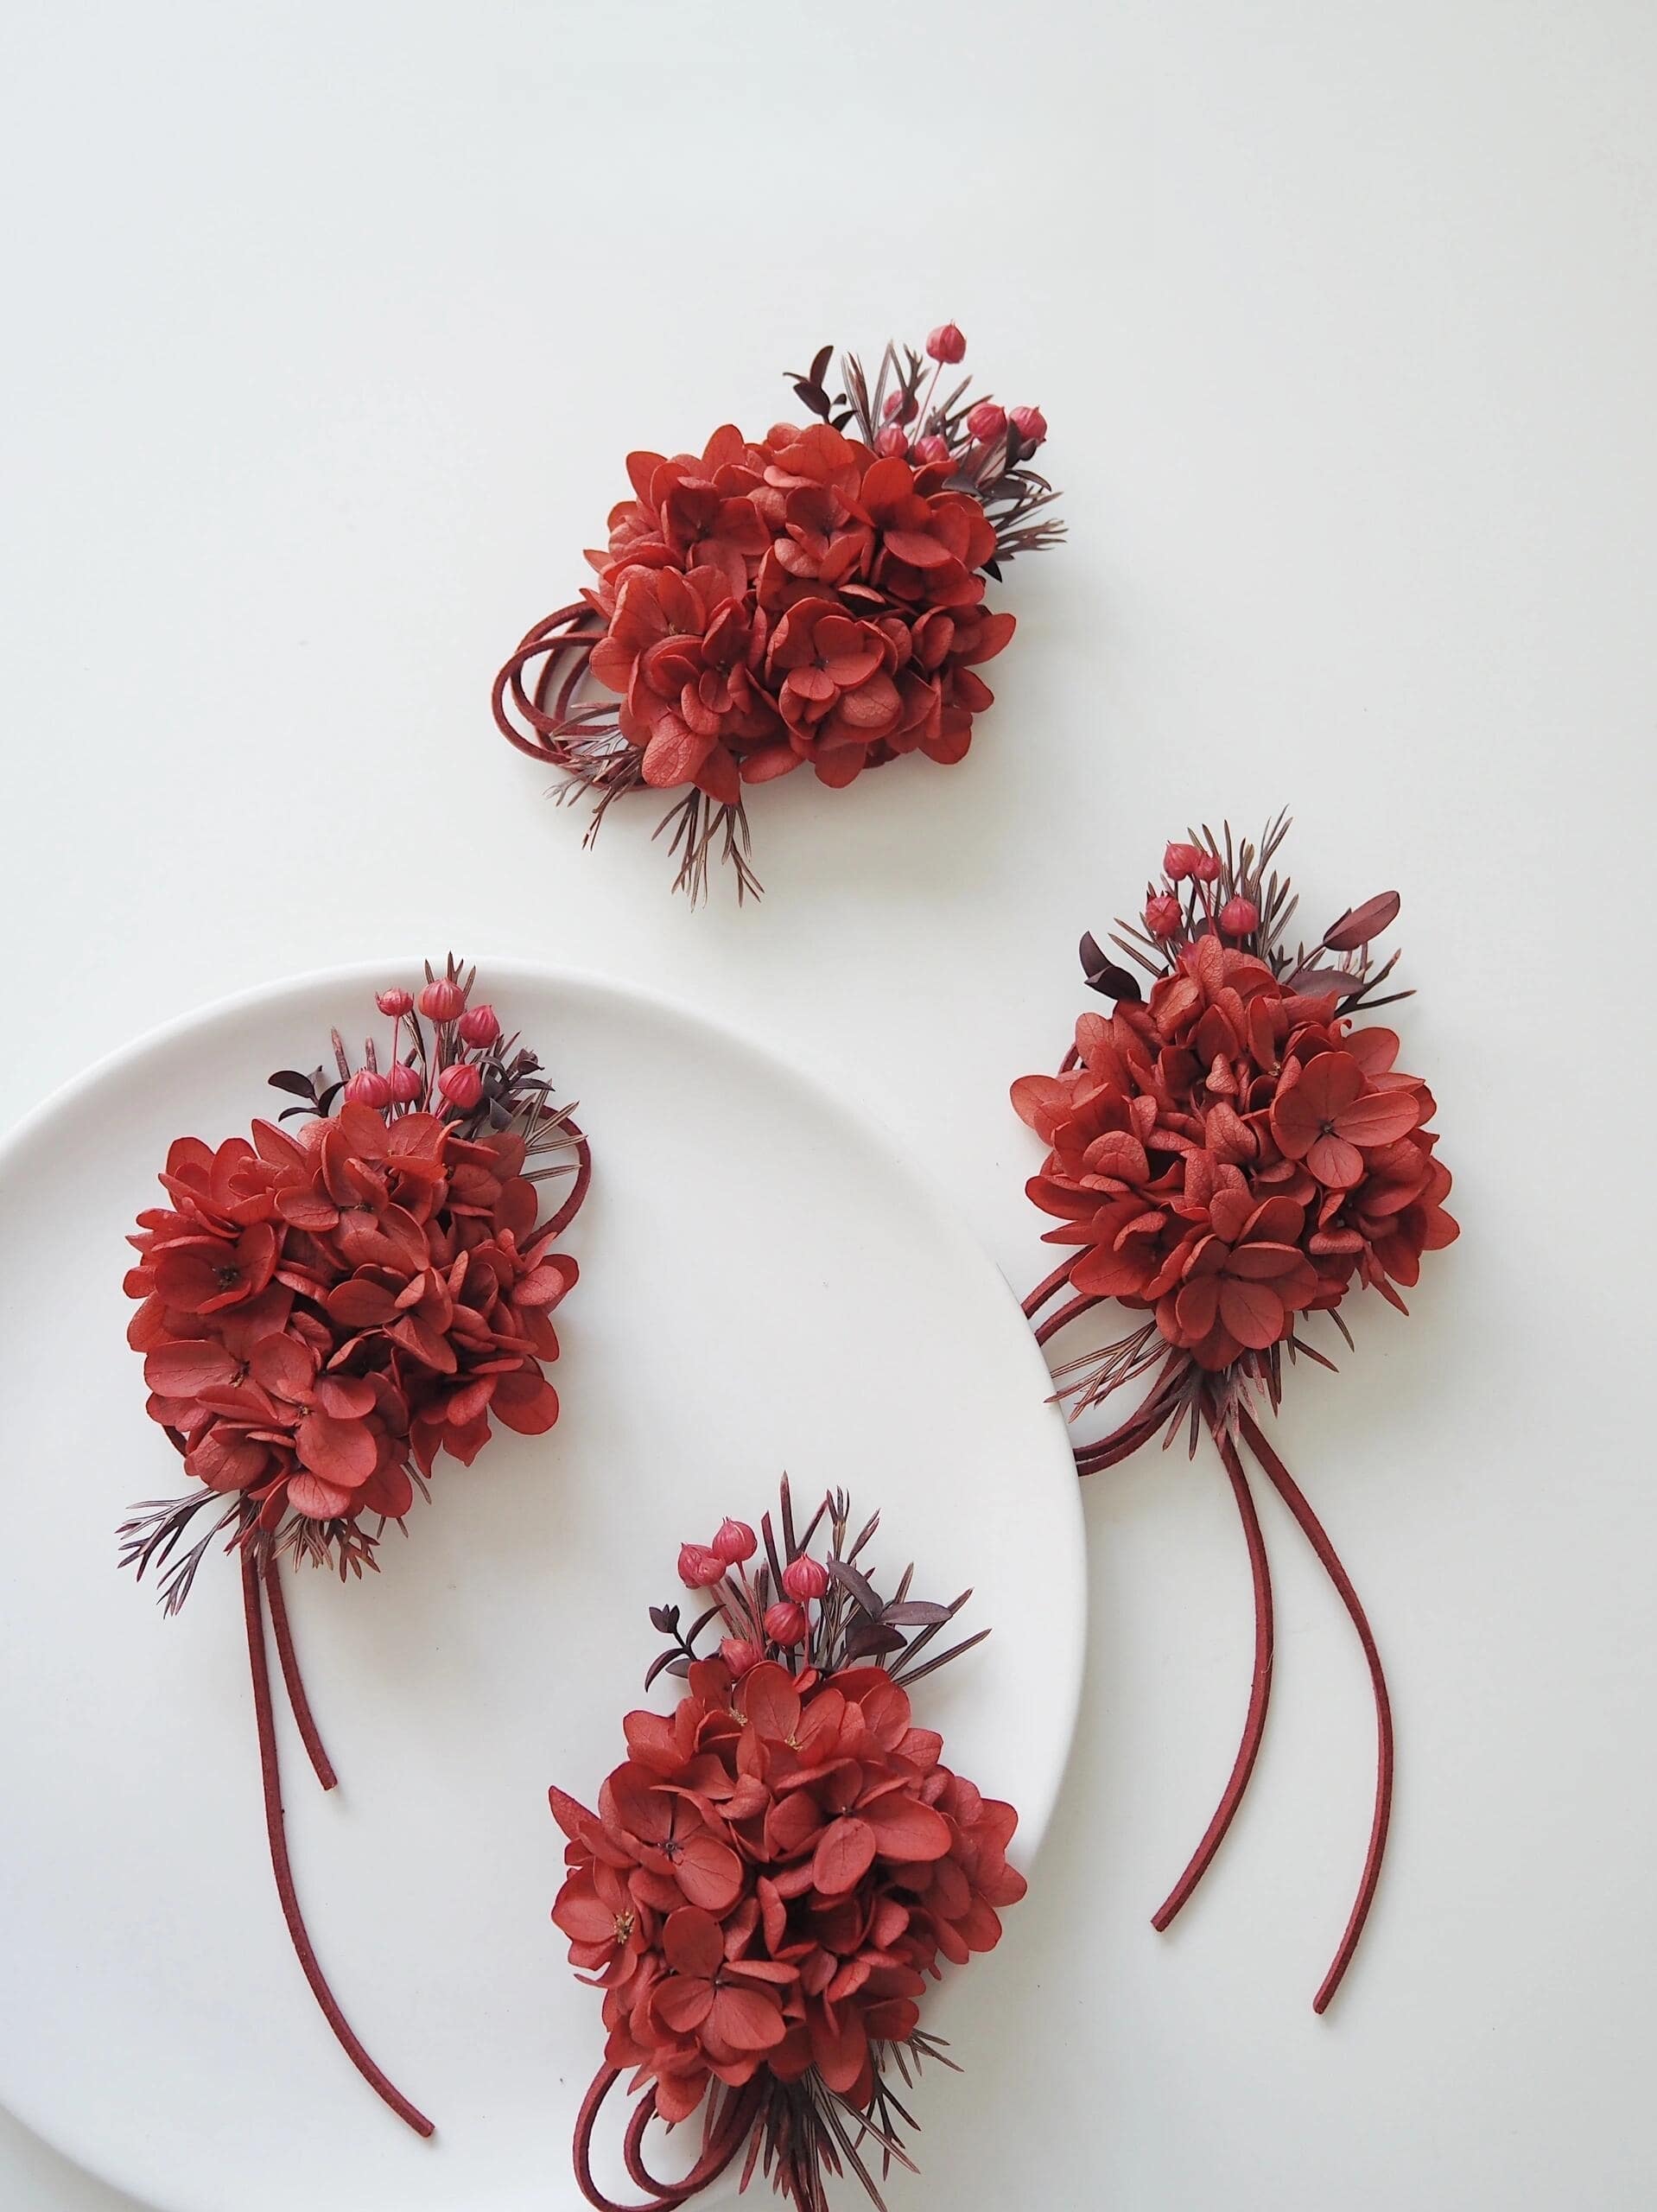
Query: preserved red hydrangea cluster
{"type": "Point", "coordinates": [329, 1307]}
{"type": "Point", "coordinates": [780, 1864]}
{"type": "Point", "coordinates": [811, 597]}
{"type": "Point", "coordinates": [325, 1309]}
{"type": "Point", "coordinates": [1233, 1152]}
{"type": "Point", "coordinates": [799, 600]}
{"type": "Point", "coordinates": [1239, 1147]}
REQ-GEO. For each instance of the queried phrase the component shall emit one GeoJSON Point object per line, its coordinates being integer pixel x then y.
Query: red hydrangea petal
{"type": "Point", "coordinates": [691, 1942]}
{"type": "Point", "coordinates": [845, 1852]}
{"type": "Point", "coordinates": [906, 1830]}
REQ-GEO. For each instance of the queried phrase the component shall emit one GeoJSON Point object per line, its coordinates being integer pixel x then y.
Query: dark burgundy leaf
{"type": "Point", "coordinates": [810, 395]}
{"type": "Point", "coordinates": [664, 1618]}
{"type": "Point", "coordinates": [851, 1580]}
{"type": "Point", "coordinates": [290, 1079]}
{"type": "Point", "coordinates": [820, 362]}
{"type": "Point", "coordinates": [1104, 974]}
{"type": "Point", "coordinates": [663, 1661]}
{"type": "Point", "coordinates": [870, 1636]}
{"type": "Point", "coordinates": [1363, 925]}
{"type": "Point", "coordinates": [916, 1612]}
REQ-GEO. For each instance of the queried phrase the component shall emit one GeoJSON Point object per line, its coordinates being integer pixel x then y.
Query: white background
{"type": "Point", "coordinates": [328, 328]}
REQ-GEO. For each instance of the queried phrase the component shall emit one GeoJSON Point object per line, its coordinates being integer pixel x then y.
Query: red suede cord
{"type": "Point", "coordinates": [1259, 1692]}
{"type": "Point", "coordinates": [578, 1189]}
{"type": "Point", "coordinates": [1316, 1535]}
{"type": "Point", "coordinates": [293, 1682]}
{"type": "Point", "coordinates": [253, 1607]}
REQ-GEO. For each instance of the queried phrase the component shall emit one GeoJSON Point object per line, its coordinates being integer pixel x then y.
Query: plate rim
{"type": "Point", "coordinates": [841, 1095]}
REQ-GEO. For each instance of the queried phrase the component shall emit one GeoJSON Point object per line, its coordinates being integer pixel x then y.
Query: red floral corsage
{"type": "Point", "coordinates": [328, 1307]}
{"type": "Point", "coordinates": [777, 1869]}
{"type": "Point", "coordinates": [1230, 1154]}
{"type": "Point", "coordinates": [812, 596]}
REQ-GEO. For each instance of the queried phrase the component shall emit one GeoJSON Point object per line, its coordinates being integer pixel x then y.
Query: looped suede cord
{"type": "Point", "coordinates": [566, 636]}
{"type": "Point", "coordinates": [728, 2132]}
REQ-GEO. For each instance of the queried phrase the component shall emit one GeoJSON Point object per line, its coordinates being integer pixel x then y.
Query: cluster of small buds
{"type": "Point", "coordinates": [784, 1624]}
{"type": "Point", "coordinates": [432, 1075]}
{"type": "Point", "coordinates": [1019, 430]}
{"type": "Point", "coordinates": [1167, 914]}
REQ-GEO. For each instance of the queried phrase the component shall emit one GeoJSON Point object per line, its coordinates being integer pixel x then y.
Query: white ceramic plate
{"type": "Point", "coordinates": [766, 1284]}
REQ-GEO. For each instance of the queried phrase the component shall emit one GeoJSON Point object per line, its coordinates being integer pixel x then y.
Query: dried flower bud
{"type": "Point", "coordinates": [740, 1654]}
{"type": "Point", "coordinates": [442, 1000]}
{"type": "Point", "coordinates": [987, 421]}
{"type": "Point", "coordinates": [699, 1568]}
{"type": "Point", "coordinates": [786, 1622]}
{"type": "Point", "coordinates": [805, 1578]}
{"type": "Point", "coordinates": [1162, 916]}
{"type": "Point", "coordinates": [890, 444]}
{"type": "Point", "coordinates": [406, 1085]}
{"type": "Point", "coordinates": [1206, 866]}
{"type": "Point", "coordinates": [901, 406]}
{"type": "Point", "coordinates": [933, 449]}
{"type": "Point", "coordinates": [947, 345]}
{"type": "Point", "coordinates": [395, 1003]}
{"type": "Point", "coordinates": [1031, 424]}
{"type": "Point", "coordinates": [734, 1541]}
{"type": "Point", "coordinates": [479, 1025]}
{"type": "Point", "coordinates": [461, 1086]}
{"type": "Point", "coordinates": [1240, 917]}
{"type": "Point", "coordinates": [1179, 862]}
{"type": "Point", "coordinates": [368, 1087]}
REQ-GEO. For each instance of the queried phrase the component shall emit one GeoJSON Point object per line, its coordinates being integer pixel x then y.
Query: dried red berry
{"type": "Point", "coordinates": [397, 1003]}
{"type": "Point", "coordinates": [1240, 917]}
{"type": "Point", "coordinates": [786, 1622]}
{"type": "Point", "coordinates": [1179, 860]}
{"type": "Point", "coordinates": [1031, 424]}
{"type": "Point", "coordinates": [368, 1087]}
{"type": "Point", "coordinates": [699, 1567]}
{"type": "Point", "coordinates": [1162, 914]}
{"type": "Point", "coordinates": [734, 1541]}
{"type": "Point", "coordinates": [442, 1000]}
{"type": "Point", "coordinates": [460, 1086]}
{"type": "Point", "coordinates": [987, 421]}
{"type": "Point", "coordinates": [805, 1578]}
{"type": "Point", "coordinates": [478, 1026]}
{"type": "Point", "coordinates": [947, 346]}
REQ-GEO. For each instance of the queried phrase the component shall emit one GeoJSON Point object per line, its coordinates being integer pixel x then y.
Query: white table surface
{"type": "Point", "coordinates": [328, 328]}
